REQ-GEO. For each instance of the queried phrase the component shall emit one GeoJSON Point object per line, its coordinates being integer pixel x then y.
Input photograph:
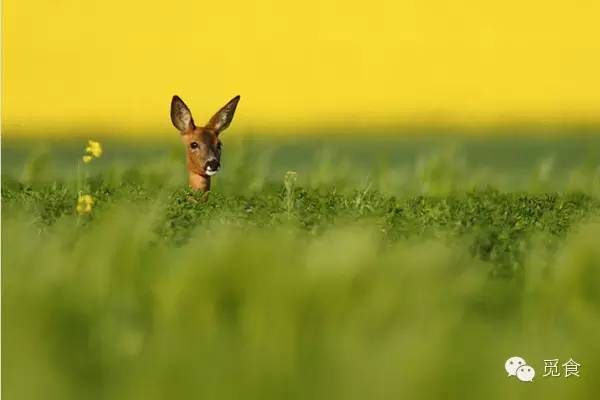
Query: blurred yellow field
{"type": "Point", "coordinates": [116, 64]}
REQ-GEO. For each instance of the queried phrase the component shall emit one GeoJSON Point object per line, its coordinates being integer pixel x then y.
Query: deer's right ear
{"type": "Point", "coordinates": [181, 115]}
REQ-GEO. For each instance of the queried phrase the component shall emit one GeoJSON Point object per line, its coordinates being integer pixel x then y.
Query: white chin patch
{"type": "Point", "coordinates": [210, 172]}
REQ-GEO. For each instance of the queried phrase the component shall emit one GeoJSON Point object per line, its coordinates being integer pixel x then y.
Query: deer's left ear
{"type": "Point", "coordinates": [221, 120]}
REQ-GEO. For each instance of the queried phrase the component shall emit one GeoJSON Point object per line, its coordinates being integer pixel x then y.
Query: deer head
{"type": "Point", "coordinates": [202, 143]}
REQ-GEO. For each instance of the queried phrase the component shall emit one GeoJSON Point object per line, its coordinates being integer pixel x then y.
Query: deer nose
{"type": "Point", "coordinates": [212, 164]}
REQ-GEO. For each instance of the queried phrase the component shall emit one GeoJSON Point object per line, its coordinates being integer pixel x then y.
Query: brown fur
{"type": "Point", "coordinates": [202, 143]}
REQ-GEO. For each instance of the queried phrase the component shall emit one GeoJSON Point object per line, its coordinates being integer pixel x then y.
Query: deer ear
{"type": "Point", "coordinates": [181, 115]}
{"type": "Point", "coordinates": [221, 120]}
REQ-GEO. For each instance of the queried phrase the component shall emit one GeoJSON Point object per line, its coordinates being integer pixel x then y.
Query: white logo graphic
{"type": "Point", "coordinates": [512, 364]}
{"type": "Point", "coordinates": [516, 366]}
{"type": "Point", "coordinates": [525, 373]}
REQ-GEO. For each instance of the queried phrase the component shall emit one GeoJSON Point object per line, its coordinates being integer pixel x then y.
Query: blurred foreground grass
{"type": "Point", "coordinates": [414, 277]}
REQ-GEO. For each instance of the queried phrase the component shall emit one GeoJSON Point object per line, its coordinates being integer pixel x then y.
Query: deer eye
{"type": "Point", "coordinates": [194, 145]}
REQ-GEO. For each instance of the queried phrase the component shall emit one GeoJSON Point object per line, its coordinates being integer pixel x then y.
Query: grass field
{"type": "Point", "coordinates": [318, 269]}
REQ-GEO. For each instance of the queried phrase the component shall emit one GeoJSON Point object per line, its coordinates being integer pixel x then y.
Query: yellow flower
{"type": "Point", "coordinates": [94, 148]}
{"type": "Point", "coordinates": [87, 159]}
{"type": "Point", "coordinates": [84, 204]}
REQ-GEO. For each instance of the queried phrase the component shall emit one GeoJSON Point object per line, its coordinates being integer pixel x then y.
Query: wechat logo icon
{"type": "Point", "coordinates": [516, 366]}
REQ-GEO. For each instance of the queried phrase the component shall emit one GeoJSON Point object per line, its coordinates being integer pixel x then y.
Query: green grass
{"type": "Point", "coordinates": [411, 275]}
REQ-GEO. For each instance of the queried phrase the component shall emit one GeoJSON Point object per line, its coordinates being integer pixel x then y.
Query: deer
{"type": "Point", "coordinates": [202, 143]}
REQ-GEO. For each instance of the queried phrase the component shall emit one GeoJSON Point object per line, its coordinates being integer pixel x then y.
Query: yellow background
{"type": "Point", "coordinates": [116, 64]}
